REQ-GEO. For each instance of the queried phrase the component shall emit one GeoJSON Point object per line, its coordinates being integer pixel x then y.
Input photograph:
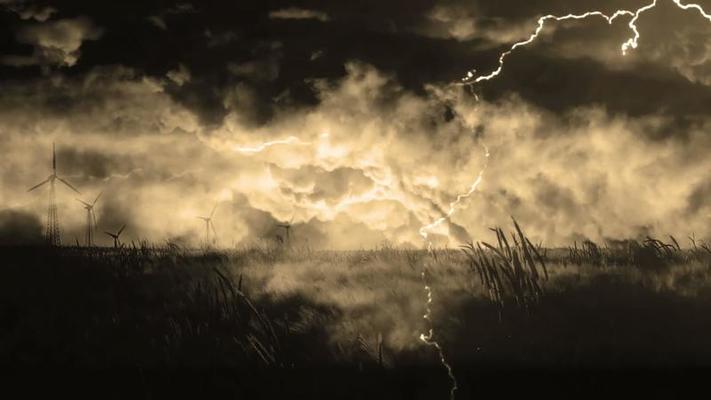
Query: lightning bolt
{"type": "Point", "coordinates": [696, 7]}
{"type": "Point", "coordinates": [454, 204]}
{"type": "Point", "coordinates": [263, 146]}
{"type": "Point", "coordinates": [631, 43]}
{"type": "Point", "coordinates": [221, 143]}
{"type": "Point", "coordinates": [472, 79]}
{"type": "Point", "coordinates": [428, 338]}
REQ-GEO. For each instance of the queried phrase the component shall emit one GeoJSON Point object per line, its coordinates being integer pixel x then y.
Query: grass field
{"type": "Point", "coordinates": [510, 316]}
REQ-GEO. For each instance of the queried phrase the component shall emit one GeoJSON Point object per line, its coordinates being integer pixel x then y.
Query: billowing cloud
{"type": "Point", "coordinates": [463, 22]}
{"type": "Point", "coordinates": [180, 75]}
{"type": "Point", "coordinates": [589, 175]}
{"type": "Point", "coordinates": [55, 42]}
{"type": "Point", "coordinates": [29, 11]}
{"type": "Point", "coordinates": [363, 144]}
{"type": "Point", "coordinates": [370, 154]}
{"type": "Point", "coordinates": [178, 9]}
{"type": "Point", "coordinates": [416, 159]}
{"type": "Point", "coordinates": [298, 13]}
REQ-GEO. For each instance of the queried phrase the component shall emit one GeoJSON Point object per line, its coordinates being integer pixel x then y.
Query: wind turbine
{"type": "Point", "coordinates": [90, 220]}
{"type": "Point", "coordinates": [52, 234]}
{"type": "Point", "coordinates": [116, 236]}
{"type": "Point", "coordinates": [287, 229]}
{"type": "Point", "coordinates": [208, 226]}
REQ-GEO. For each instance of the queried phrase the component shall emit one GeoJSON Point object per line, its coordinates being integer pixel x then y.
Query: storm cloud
{"type": "Point", "coordinates": [346, 119]}
{"type": "Point", "coordinates": [19, 228]}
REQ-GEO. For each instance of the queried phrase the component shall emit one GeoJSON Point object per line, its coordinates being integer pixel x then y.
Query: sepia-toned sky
{"type": "Point", "coordinates": [167, 106]}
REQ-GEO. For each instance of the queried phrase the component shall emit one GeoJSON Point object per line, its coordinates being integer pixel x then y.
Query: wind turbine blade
{"type": "Point", "coordinates": [93, 214]}
{"type": "Point", "coordinates": [214, 233]}
{"type": "Point", "coordinates": [38, 185]}
{"type": "Point", "coordinates": [68, 184]}
{"type": "Point", "coordinates": [121, 230]}
{"type": "Point", "coordinates": [110, 234]}
{"type": "Point", "coordinates": [97, 197]}
{"type": "Point", "coordinates": [83, 202]}
{"type": "Point", "coordinates": [213, 211]}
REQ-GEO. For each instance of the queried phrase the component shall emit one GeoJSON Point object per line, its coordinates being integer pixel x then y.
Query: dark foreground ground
{"type": "Point", "coordinates": [272, 324]}
{"type": "Point", "coordinates": [320, 383]}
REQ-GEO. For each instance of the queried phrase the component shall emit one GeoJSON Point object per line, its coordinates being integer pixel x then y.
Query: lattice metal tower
{"type": "Point", "coordinates": [53, 232]}
{"type": "Point", "coordinates": [89, 234]}
{"type": "Point", "coordinates": [90, 220]}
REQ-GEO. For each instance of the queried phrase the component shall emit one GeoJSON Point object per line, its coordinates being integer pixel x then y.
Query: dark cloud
{"type": "Point", "coordinates": [152, 100]}
{"type": "Point", "coordinates": [261, 54]}
{"type": "Point", "coordinates": [54, 42]}
{"type": "Point", "coordinates": [317, 184]}
{"type": "Point", "coordinates": [28, 11]}
{"type": "Point", "coordinates": [19, 228]}
{"type": "Point", "coordinates": [161, 19]}
{"type": "Point", "coordinates": [93, 164]}
{"type": "Point", "coordinates": [564, 84]}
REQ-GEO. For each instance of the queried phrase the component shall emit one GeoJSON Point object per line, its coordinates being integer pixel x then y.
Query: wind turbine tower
{"type": "Point", "coordinates": [90, 220]}
{"type": "Point", "coordinates": [287, 230]}
{"type": "Point", "coordinates": [209, 225]}
{"type": "Point", "coordinates": [53, 232]}
{"type": "Point", "coordinates": [116, 236]}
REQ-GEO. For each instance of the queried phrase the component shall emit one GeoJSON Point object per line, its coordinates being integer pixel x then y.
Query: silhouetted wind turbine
{"type": "Point", "coordinates": [90, 220]}
{"type": "Point", "coordinates": [52, 234]}
{"type": "Point", "coordinates": [208, 225]}
{"type": "Point", "coordinates": [287, 229]}
{"type": "Point", "coordinates": [116, 236]}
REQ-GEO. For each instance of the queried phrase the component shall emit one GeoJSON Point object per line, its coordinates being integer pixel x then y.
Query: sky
{"type": "Point", "coordinates": [349, 120]}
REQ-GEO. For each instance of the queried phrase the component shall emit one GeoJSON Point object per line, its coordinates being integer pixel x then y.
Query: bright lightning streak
{"type": "Point", "coordinates": [429, 337]}
{"type": "Point", "coordinates": [631, 43]}
{"type": "Point", "coordinates": [263, 146]}
{"type": "Point", "coordinates": [472, 79]}
{"type": "Point", "coordinates": [696, 7]}
{"type": "Point", "coordinates": [453, 205]}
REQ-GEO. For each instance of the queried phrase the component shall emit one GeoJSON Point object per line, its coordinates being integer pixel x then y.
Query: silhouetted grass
{"type": "Point", "coordinates": [650, 254]}
{"type": "Point", "coordinates": [509, 271]}
{"type": "Point", "coordinates": [267, 322]}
